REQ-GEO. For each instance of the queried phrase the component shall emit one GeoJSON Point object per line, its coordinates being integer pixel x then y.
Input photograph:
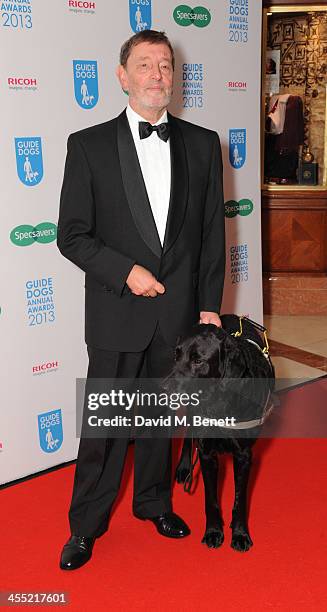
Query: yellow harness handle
{"type": "Point", "coordinates": [239, 333]}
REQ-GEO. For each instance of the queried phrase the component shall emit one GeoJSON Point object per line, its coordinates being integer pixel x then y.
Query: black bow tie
{"type": "Point", "coordinates": [146, 129]}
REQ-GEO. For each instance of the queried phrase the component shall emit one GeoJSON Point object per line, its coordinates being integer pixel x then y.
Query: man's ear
{"type": "Point", "coordinates": [122, 77]}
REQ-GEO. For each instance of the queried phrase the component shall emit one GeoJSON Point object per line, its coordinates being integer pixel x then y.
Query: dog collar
{"type": "Point", "coordinates": [259, 347]}
{"type": "Point", "coordinates": [255, 422]}
{"type": "Point", "coordinates": [268, 405]}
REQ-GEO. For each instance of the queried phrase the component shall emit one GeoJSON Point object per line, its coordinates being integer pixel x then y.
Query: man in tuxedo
{"type": "Point", "coordinates": [142, 213]}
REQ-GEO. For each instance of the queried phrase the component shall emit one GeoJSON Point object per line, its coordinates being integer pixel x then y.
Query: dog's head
{"type": "Point", "coordinates": [237, 373]}
{"type": "Point", "coordinates": [207, 351]}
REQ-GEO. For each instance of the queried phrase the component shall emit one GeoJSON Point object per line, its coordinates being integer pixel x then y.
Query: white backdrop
{"type": "Point", "coordinates": [217, 85]}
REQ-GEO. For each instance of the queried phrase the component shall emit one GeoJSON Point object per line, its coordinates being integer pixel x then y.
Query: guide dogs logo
{"type": "Point", "coordinates": [184, 16]}
{"type": "Point", "coordinates": [29, 160]}
{"type": "Point", "coordinates": [239, 266]}
{"type": "Point", "coordinates": [16, 15]}
{"type": "Point", "coordinates": [237, 148]}
{"type": "Point", "coordinates": [243, 207]}
{"type": "Point", "coordinates": [86, 83]}
{"type": "Point", "coordinates": [140, 15]}
{"type": "Point", "coordinates": [50, 431]}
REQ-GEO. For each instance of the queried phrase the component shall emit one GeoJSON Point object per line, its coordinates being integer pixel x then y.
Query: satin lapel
{"type": "Point", "coordinates": [134, 186]}
{"type": "Point", "coordinates": [179, 185]}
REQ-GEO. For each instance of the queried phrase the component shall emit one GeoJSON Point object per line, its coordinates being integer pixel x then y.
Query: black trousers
{"type": "Point", "coordinates": [100, 461]}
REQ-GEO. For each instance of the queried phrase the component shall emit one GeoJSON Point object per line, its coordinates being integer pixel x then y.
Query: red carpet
{"type": "Point", "coordinates": [135, 568]}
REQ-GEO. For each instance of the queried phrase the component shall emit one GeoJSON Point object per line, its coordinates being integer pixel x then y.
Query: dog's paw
{"type": "Point", "coordinates": [213, 538]}
{"type": "Point", "coordinates": [181, 474]}
{"type": "Point", "coordinates": [241, 541]}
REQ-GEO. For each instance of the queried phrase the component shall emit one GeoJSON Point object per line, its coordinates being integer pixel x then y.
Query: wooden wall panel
{"type": "Point", "coordinates": [294, 232]}
{"type": "Point", "coordinates": [267, 3]}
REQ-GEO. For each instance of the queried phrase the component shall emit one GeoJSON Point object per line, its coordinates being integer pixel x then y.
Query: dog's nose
{"type": "Point", "coordinates": [165, 383]}
{"type": "Point", "coordinates": [171, 382]}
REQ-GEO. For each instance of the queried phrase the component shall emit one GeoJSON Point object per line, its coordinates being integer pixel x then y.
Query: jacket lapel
{"type": "Point", "coordinates": [134, 186]}
{"type": "Point", "coordinates": [135, 189]}
{"type": "Point", "coordinates": [179, 185]}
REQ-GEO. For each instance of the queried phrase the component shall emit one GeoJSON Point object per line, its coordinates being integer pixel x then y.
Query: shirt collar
{"type": "Point", "coordinates": [134, 119]}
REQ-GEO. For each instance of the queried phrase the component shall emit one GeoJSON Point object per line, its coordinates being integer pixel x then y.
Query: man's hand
{"type": "Point", "coordinates": [142, 282]}
{"type": "Point", "coordinates": [210, 317]}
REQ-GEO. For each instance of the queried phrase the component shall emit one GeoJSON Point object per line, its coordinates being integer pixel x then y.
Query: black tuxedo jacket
{"type": "Point", "coordinates": [106, 226]}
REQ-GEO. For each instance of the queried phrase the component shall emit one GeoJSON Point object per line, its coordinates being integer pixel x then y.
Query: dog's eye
{"type": "Point", "coordinates": [195, 358]}
{"type": "Point", "coordinates": [177, 353]}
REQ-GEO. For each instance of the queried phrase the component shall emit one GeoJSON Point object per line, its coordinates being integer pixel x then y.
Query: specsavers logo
{"type": "Point", "coordinates": [184, 15]}
{"type": "Point", "coordinates": [243, 208]}
{"type": "Point", "coordinates": [24, 235]}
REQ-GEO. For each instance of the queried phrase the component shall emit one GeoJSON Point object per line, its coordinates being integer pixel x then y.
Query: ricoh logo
{"type": "Point", "coordinates": [236, 85]}
{"type": "Point", "coordinates": [45, 368]}
{"type": "Point", "coordinates": [81, 6]}
{"type": "Point", "coordinates": [16, 14]}
{"type": "Point", "coordinates": [20, 83]}
{"type": "Point", "coordinates": [140, 15]}
{"type": "Point", "coordinates": [184, 16]}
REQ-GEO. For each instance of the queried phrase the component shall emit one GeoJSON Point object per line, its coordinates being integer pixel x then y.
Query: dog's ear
{"type": "Point", "coordinates": [231, 359]}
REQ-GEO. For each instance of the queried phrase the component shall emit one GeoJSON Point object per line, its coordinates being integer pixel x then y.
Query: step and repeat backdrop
{"type": "Point", "coordinates": [57, 76]}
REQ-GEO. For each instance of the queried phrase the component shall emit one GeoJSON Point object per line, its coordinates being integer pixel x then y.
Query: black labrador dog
{"type": "Point", "coordinates": [215, 353]}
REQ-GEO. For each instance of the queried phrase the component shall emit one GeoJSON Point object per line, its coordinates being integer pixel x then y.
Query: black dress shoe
{"type": "Point", "coordinates": [76, 552]}
{"type": "Point", "coordinates": [169, 525]}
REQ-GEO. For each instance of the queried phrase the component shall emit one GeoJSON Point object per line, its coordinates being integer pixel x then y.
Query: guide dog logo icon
{"type": "Point", "coordinates": [50, 431]}
{"type": "Point", "coordinates": [29, 160]}
{"type": "Point", "coordinates": [86, 83]}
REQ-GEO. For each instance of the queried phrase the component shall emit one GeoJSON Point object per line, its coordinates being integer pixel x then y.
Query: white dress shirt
{"type": "Point", "coordinates": [154, 158]}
